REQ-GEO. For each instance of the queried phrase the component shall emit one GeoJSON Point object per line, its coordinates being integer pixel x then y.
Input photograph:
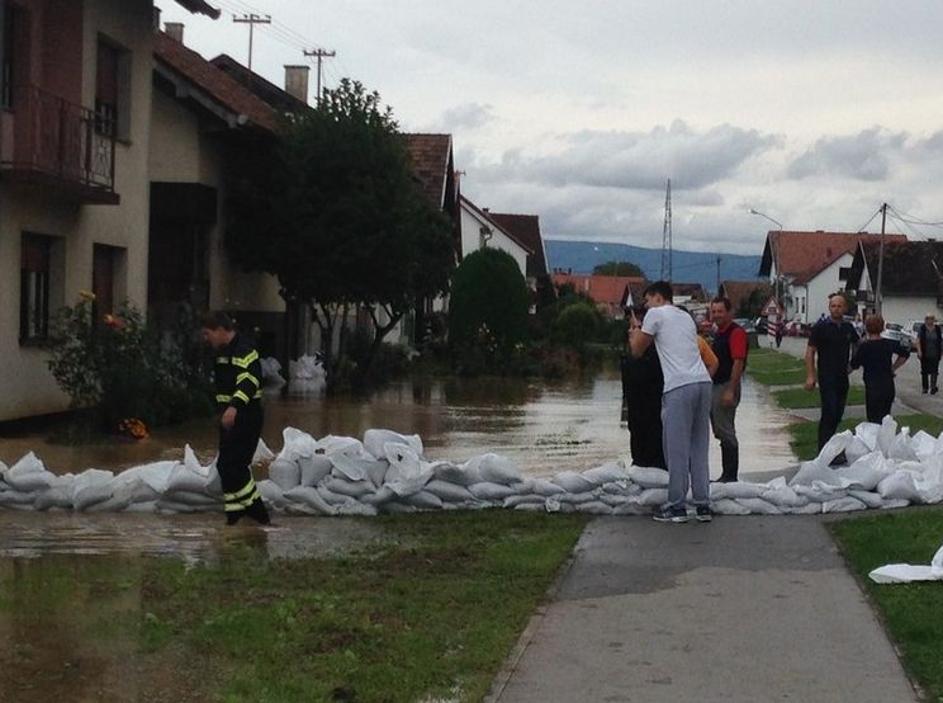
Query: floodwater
{"type": "Point", "coordinates": [544, 426]}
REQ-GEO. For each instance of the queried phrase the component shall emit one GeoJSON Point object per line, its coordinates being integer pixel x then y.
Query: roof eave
{"type": "Point", "coordinates": [199, 7]}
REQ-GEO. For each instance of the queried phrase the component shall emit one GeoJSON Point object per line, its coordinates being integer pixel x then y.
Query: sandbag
{"type": "Point", "coordinates": [810, 471]}
{"type": "Point", "coordinates": [310, 498]}
{"type": "Point", "coordinates": [901, 448]}
{"type": "Point", "coordinates": [782, 496]}
{"type": "Point", "coordinates": [187, 480]}
{"type": "Point", "coordinates": [314, 469]}
{"type": "Point", "coordinates": [843, 505]}
{"type": "Point", "coordinates": [424, 500]}
{"type": "Point", "coordinates": [886, 435]}
{"type": "Point", "coordinates": [28, 475]}
{"type": "Point", "coordinates": [262, 455]}
{"type": "Point", "coordinates": [285, 474]}
{"type": "Point", "coordinates": [576, 498]}
{"type": "Point", "coordinates": [332, 445]}
{"type": "Point", "coordinates": [498, 469]}
{"type": "Point", "coordinates": [514, 501]}
{"type": "Point", "coordinates": [653, 497]}
{"type": "Point", "coordinates": [737, 490]}
{"type": "Point", "coordinates": [449, 492]}
{"type": "Point", "coordinates": [351, 489]}
{"type": "Point", "coordinates": [272, 494]}
{"type": "Point", "coordinates": [380, 496]}
{"type": "Point", "coordinates": [870, 499]}
{"type": "Point", "coordinates": [867, 434]}
{"type": "Point", "coordinates": [607, 473]}
{"type": "Point", "coordinates": [728, 506]}
{"type": "Point", "coordinates": [396, 508]}
{"type": "Point", "coordinates": [52, 497]}
{"type": "Point", "coordinates": [866, 472]}
{"type": "Point", "coordinates": [648, 477]}
{"type": "Point", "coordinates": [631, 507]}
{"type": "Point", "coordinates": [614, 500]}
{"type": "Point", "coordinates": [490, 491]}
{"type": "Point", "coordinates": [594, 507]}
{"type": "Point", "coordinates": [460, 475]}
{"type": "Point", "coordinates": [296, 444]}
{"type": "Point", "coordinates": [12, 499]}
{"type": "Point", "coordinates": [573, 482]}
{"type": "Point", "coordinates": [330, 496]}
{"type": "Point", "coordinates": [543, 487]}
{"type": "Point", "coordinates": [758, 506]}
{"type": "Point", "coordinates": [907, 573]}
{"type": "Point", "coordinates": [836, 444]}
{"type": "Point", "coordinates": [407, 474]}
{"type": "Point", "coordinates": [90, 487]}
{"type": "Point", "coordinates": [375, 441]}
{"type": "Point", "coordinates": [899, 486]}
{"type": "Point", "coordinates": [354, 508]}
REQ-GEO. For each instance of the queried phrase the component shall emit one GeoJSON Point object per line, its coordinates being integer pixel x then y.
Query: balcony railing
{"type": "Point", "coordinates": [50, 140]}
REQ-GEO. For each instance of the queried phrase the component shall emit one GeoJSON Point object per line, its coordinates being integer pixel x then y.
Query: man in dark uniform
{"type": "Point", "coordinates": [238, 378]}
{"type": "Point", "coordinates": [833, 340]}
{"type": "Point", "coordinates": [642, 387]}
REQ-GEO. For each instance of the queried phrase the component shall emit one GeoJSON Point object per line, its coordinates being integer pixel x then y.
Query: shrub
{"type": "Point", "coordinates": [489, 304]}
{"type": "Point", "coordinates": [576, 325]}
{"type": "Point", "coordinates": [122, 369]}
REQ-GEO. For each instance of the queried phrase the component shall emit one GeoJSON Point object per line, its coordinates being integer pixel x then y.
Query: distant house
{"type": "Point", "coordinates": [479, 230]}
{"type": "Point", "coordinates": [808, 266]}
{"type": "Point", "coordinates": [610, 293]}
{"type": "Point", "coordinates": [740, 292]}
{"type": "Point", "coordinates": [911, 279]}
{"type": "Point", "coordinates": [688, 293]}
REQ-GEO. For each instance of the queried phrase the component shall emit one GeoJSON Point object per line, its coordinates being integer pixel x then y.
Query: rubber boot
{"type": "Point", "coordinates": [258, 512]}
{"type": "Point", "coordinates": [730, 460]}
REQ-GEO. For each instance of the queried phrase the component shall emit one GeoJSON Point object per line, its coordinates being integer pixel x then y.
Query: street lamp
{"type": "Point", "coordinates": [774, 252]}
{"type": "Point", "coordinates": [775, 222]}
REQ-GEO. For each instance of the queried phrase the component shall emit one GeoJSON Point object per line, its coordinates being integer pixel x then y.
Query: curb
{"type": "Point", "coordinates": [509, 667]}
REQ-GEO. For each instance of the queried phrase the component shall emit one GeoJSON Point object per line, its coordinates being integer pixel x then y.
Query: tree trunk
{"type": "Point", "coordinates": [379, 332]}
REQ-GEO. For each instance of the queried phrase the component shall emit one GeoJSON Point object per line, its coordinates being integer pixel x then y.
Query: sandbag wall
{"type": "Point", "coordinates": [387, 473]}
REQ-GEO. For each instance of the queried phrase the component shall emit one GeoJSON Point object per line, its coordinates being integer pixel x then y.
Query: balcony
{"type": "Point", "coordinates": [51, 142]}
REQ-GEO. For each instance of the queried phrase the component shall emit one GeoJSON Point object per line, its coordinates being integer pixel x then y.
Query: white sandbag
{"type": "Point", "coordinates": [354, 508]}
{"type": "Point", "coordinates": [728, 506]}
{"type": "Point", "coordinates": [869, 498]}
{"type": "Point", "coordinates": [867, 434]}
{"type": "Point", "coordinates": [895, 504]}
{"type": "Point", "coordinates": [595, 507]}
{"type": "Point", "coordinates": [613, 500]}
{"type": "Point", "coordinates": [648, 477]}
{"type": "Point", "coordinates": [13, 499]}
{"type": "Point", "coordinates": [156, 475]}
{"type": "Point", "coordinates": [631, 507]}
{"type": "Point", "coordinates": [924, 445]}
{"type": "Point", "coordinates": [352, 489]}
{"type": "Point", "coordinates": [819, 491]}
{"type": "Point", "coordinates": [758, 506]}
{"type": "Point", "coordinates": [573, 482]}
{"type": "Point", "coordinates": [514, 501]}
{"type": "Point", "coordinates": [843, 505]}
{"type": "Point", "coordinates": [262, 455]}
{"type": "Point", "coordinates": [186, 479]}
{"type": "Point", "coordinates": [552, 505]}
{"type": "Point", "coordinates": [836, 444]}
{"type": "Point", "coordinates": [381, 495]}
{"type": "Point", "coordinates": [90, 487]}
{"type": "Point", "coordinates": [737, 489]}
{"type": "Point", "coordinates": [886, 435]}
{"type": "Point", "coordinates": [543, 487]}
{"type": "Point", "coordinates": [192, 498]}
{"type": "Point", "coordinates": [424, 500]}
{"type": "Point", "coordinates": [296, 444]}
{"type": "Point", "coordinates": [285, 474]}
{"type": "Point", "coordinates": [491, 491]}
{"type": "Point", "coordinates": [271, 378]}
{"type": "Point", "coordinates": [407, 474]}
{"type": "Point", "coordinates": [28, 475]}
{"type": "Point", "coordinates": [330, 497]}
{"type": "Point", "coordinates": [782, 496]}
{"type": "Point", "coordinates": [929, 485]}
{"type": "Point", "coordinates": [144, 508]}
{"type": "Point", "coordinates": [449, 492]}
{"type": "Point", "coordinates": [272, 494]}
{"type": "Point", "coordinates": [374, 442]}
{"type": "Point", "coordinates": [310, 498]}
{"type": "Point", "coordinates": [124, 494]}
{"type": "Point", "coordinates": [495, 468]}
{"type": "Point", "coordinates": [530, 507]}
{"type": "Point", "coordinates": [855, 450]}
{"type": "Point", "coordinates": [621, 488]}
{"type": "Point", "coordinates": [811, 471]}
{"type": "Point", "coordinates": [190, 461]}
{"type": "Point", "coordinates": [607, 473]}
{"type": "Point", "coordinates": [908, 573]}
{"type": "Point", "coordinates": [810, 508]}
{"type": "Point", "coordinates": [396, 508]}
{"type": "Point", "coordinates": [653, 497]}
{"type": "Point", "coordinates": [349, 467]}
{"type": "Point", "coordinates": [53, 497]}
{"type": "Point", "coordinates": [331, 445]}
{"type": "Point", "coordinates": [901, 448]}
{"type": "Point", "coordinates": [460, 475]}
{"type": "Point", "coordinates": [376, 471]}
{"type": "Point", "coordinates": [576, 498]}
{"type": "Point", "coordinates": [866, 472]}
{"type": "Point", "coordinates": [313, 469]}
{"type": "Point", "coordinates": [899, 486]}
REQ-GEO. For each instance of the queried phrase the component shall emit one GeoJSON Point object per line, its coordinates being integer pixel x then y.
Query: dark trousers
{"type": "Point", "coordinates": [645, 443]}
{"type": "Point", "coordinates": [833, 392]}
{"type": "Point", "coordinates": [929, 370]}
{"type": "Point", "coordinates": [236, 448]}
{"type": "Point", "coordinates": [878, 399]}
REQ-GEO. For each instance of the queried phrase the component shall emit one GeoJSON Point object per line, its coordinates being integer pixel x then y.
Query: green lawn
{"type": "Point", "coordinates": [429, 616]}
{"type": "Point", "coordinates": [913, 612]}
{"type": "Point", "coordinates": [774, 368]}
{"type": "Point", "coordinates": [801, 398]}
{"type": "Point", "coordinates": [804, 440]}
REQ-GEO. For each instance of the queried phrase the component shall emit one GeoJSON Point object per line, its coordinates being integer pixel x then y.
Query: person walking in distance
{"type": "Point", "coordinates": [730, 347]}
{"type": "Point", "coordinates": [238, 379]}
{"type": "Point", "coordinates": [874, 356]}
{"type": "Point", "coordinates": [929, 344]}
{"type": "Point", "coordinates": [831, 343]}
{"type": "Point", "coordinates": [685, 401]}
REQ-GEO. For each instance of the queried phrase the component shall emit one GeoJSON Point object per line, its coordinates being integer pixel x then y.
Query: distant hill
{"type": "Point", "coordinates": [688, 266]}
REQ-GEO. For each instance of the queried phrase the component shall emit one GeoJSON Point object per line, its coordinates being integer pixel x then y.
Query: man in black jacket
{"type": "Point", "coordinates": [929, 343]}
{"type": "Point", "coordinates": [238, 379]}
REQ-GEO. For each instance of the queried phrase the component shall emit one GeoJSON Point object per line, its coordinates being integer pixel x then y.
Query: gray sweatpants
{"type": "Point", "coordinates": [685, 417]}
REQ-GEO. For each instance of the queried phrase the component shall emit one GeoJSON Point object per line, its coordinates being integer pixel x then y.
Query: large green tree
{"type": "Point", "coordinates": [336, 214]}
{"type": "Point", "coordinates": [618, 268]}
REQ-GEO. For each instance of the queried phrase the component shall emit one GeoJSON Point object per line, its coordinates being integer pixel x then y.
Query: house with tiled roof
{"type": "Point", "coordinates": [911, 279]}
{"type": "Point", "coordinates": [479, 230]}
{"type": "Point", "coordinates": [808, 266]}
{"type": "Point", "coordinates": [75, 127]}
{"type": "Point", "coordinates": [739, 293]}
{"type": "Point", "coordinates": [612, 294]}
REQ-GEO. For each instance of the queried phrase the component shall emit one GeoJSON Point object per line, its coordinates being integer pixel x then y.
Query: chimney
{"type": "Point", "coordinates": [156, 20]}
{"type": "Point", "coordinates": [174, 31]}
{"type": "Point", "coordinates": [296, 82]}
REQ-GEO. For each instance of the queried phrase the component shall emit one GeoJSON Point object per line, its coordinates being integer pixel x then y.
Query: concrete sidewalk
{"type": "Point", "coordinates": [740, 610]}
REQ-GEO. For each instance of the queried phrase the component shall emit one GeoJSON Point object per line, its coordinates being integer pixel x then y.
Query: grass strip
{"type": "Point", "coordinates": [774, 368]}
{"type": "Point", "coordinates": [430, 615]}
{"type": "Point", "coordinates": [913, 612]}
{"type": "Point", "coordinates": [804, 440]}
{"type": "Point", "coordinates": [792, 398]}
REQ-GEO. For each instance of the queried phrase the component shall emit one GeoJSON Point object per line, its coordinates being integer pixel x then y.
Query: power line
{"type": "Point", "coordinates": [864, 227]}
{"type": "Point", "coordinates": [251, 19]}
{"type": "Point", "coordinates": [319, 54]}
{"type": "Point", "coordinates": [913, 219]}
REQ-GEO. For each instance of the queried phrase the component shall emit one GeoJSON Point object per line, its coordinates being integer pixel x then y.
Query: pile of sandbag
{"type": "Point", "coordinates": [387, 472]}
{"type": "Point", "coordinates": [306, 375]}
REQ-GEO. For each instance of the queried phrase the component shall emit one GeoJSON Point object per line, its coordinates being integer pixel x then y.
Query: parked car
{"type": "Point", "coordinates": [897, 332]}
{"type": "Point", "coordinates": [746, 324]}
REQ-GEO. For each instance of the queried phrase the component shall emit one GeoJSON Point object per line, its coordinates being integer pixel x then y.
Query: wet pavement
{"type": "Point", "coordinates": [544, 426]}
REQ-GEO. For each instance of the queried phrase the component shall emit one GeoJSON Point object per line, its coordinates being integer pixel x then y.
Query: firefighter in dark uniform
{"type": "Point", "coordinates": [238, 378]}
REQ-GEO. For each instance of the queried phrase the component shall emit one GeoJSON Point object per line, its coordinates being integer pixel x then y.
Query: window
{"type": "Point", "coordinates": [106, 90]}
{"type": "Point", "coordinates": [6, 55]}
{"type": "Point", "coordinates": [35, 268]}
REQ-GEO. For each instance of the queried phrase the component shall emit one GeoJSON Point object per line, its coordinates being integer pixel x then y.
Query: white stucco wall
{"type": "Point", "coordinates": [471, 225]}
{"type": "Point", "coordinates": [904, 309]}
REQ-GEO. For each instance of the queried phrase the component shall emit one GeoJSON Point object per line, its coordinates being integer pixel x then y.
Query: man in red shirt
{"type": "Point", "coordinates": [730, 346]}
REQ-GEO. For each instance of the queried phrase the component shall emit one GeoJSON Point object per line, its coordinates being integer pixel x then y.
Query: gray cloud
{"type": "Point", "coordinates": [466, 116]}
{"type": "Point", "coordinates": [641, 160]}
{"type": "Point", "coordinates": [863, 156]}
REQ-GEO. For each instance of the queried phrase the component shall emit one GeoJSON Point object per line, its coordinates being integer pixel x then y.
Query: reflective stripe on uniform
{"type": "Point", "coordinates": [223, 398]}
{"type": "Point", "coordinates": [241, 492]}
{"type": "Point", "coordinates": [258, 394]}
{"type": "Point", "coordinates": [242, 504]}
{"type": "Point", "coordinates": [243, 362]}
{"type": "Point", "coordinates": [246, 375]}
{"type": "Point", "coordinates": [241, 396]}
{"type": "Point", "coordinates": [222, 359]}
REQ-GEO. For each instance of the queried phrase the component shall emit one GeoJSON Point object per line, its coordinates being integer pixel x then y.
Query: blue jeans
{"type": "Point", "coordinates": [834, 393]}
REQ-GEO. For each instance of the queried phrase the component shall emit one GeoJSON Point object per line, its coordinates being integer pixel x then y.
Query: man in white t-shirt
{"type": "Point", "coordinates": [685, 402]}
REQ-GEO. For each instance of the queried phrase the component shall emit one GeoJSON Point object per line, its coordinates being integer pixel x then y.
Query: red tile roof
{"type": "Point", "coordinates": [526, 228]}
{"type": "Point", "coordinates": [802, 255]}
{"type": "Point", "coordinates": [605, 290]}
{"type": "Point", "coordinates": [738, 292]}
{"type": "Point", "coordinates": [223, 89]}
{"type": "Point", "coordinates": [431, 156]}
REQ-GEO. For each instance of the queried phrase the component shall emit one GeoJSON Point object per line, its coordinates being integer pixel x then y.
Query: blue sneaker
{"type": "Point", "coordinates": [670, 515]}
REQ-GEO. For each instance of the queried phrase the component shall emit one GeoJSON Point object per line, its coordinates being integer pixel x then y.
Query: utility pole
{"type": "Point", "coordinates": [251, 19]}
{"type": "Point", "coordinates": [878, 297]}
{"type": "Point", "coordinates": [320, 54]}
{"type": "Point", "coordinates": [666, 247]}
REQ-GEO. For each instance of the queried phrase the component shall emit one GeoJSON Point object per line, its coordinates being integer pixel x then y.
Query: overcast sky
{"type": "Point", "coordinates": [813, 111]}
